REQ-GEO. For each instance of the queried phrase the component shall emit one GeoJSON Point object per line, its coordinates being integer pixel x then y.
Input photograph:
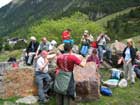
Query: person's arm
{"type": "Point", "coordinates": [83, 63]}
{"type": "Point", "coordinates": [107, 37]}
{"type": "Point", "coordinates": [79, 62]}
{"type": "Point", "coordinates": [36, 54]}
{"type": "Point", "coordinates": [42, 66]}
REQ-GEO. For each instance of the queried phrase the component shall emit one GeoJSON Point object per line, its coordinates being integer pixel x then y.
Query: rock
{"type": "Point", "coordinates": [87, 82]}
{"type": "Point", "coordinates": [28, 100]}
{"type": "Point", "coordinates": [19, 83]}
{"type": "Point", "coordinates": [117, 47]}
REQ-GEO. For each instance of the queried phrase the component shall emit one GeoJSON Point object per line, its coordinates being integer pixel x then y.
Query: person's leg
{"type": "Point", "coordinates": [100, 52]}
{"type": "Point", "coordinates": [109, 53]}
{"type": "Point", "coordinates": [125, 71]}
{"type": "Point", "coordinates": [59, 99]}
{"type": "Point", "coordinates": [131, 74]}
{"type": "Point", "coordinates": [39, 81]}
{"type": "Point", "coordinates": [66, 100]}
{"type": "Point", "coordinates": [47, 80]}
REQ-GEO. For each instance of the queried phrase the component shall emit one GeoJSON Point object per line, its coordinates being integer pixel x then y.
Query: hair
{"type": "Point", "coordinates": [69, 30]}
{"type": "Point", "coordinates": [44, 38]}
{"type": "Point", "coordinates": [131, 42]}
{"type": "Point", "coordinates": [94, 51]}
{"type": "Point", "coordinates": [67, 47]}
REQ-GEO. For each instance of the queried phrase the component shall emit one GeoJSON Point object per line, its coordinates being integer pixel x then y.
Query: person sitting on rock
{"type": "Point", "coordinates": [85, 44]}
{"type": "Point", "coordinates": [30, 51]}
{"type": "Point", "coordinates": [44, 45]}
{"type": "Point", "coordinates": [102, 46]}
{"type": "Point", "coordinates": [41, 74]}
{"type": "Point", "coordinates": [66, 36]}
{"type": "Point", "coordinates": [94, 58]}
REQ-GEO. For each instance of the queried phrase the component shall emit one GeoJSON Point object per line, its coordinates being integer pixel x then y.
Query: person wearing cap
{"type": "Point", "coordinates": [66, 36]}
{"type": "Point", "coordinates": [31, 49]}
{"type": "Point", "coordinates": [41, 74]}
{"type": "Point", "coordinates": [85, 43]}
{"type": "Point", "coordinates": [44, 45]}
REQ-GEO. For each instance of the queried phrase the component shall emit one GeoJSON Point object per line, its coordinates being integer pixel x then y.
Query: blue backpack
{"type": "Point", "coordinates": [105, 91]}
{"type": "Point", "coordinates": [84, 50]}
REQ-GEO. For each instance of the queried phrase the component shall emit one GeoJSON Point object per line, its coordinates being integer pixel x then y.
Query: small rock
{"type": "Point", "coordinates": [27, 100]}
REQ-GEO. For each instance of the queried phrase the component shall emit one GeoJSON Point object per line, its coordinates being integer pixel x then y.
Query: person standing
{"type": "Point", "coordinates": [102, 46]}
{"type": "Point", "coordinates": [128, 57]}
{"type": "Point", "coordinates": [41, 74]}
{"type": "Point", "coordinates": [66, 62]}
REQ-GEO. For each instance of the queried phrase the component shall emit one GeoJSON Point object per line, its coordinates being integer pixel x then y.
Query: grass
{"type": "Point", "coordinates": [103, 21]}
{"type": "Point", "coordinates": [4, 56]}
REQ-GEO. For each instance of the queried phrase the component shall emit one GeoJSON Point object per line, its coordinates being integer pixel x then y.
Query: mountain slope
{"type": "Point", "coordinates": [24, 13]}
{"type": "Point", "coordinates": [125, 26]}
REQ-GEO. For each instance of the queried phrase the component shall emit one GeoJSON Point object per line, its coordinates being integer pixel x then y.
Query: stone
{"type": "Point", "coordinates": [19, 83]}
{"type": "Point", "coordinates": [87, 82]}
{"type": "Point", "coordinates": [29, 100]}
{"type": "Point", "coordinates": [117, 47]}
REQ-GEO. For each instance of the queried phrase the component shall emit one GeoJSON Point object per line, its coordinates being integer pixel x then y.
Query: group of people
{"type": "Point", "coordinates": [66, 60]}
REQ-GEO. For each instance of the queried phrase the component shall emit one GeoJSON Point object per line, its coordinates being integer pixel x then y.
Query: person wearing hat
{"type": "Point", "coordinates": [41, 75]}
{"type": "Point", "coordinates": [31, 49]}
{"type": "Point", "coordinates": [85, 43]}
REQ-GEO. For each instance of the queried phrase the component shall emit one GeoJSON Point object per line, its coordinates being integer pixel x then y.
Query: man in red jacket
{"type": "Point", "coordinates": [66, 36]}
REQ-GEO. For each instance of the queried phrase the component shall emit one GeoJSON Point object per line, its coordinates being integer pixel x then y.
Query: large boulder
{"type": "Point", "coordinates": [19, 82]}
{"type": "Point", "coordinates": [117, 47]}
{"type": "Point", "coordinates": [87, 82]}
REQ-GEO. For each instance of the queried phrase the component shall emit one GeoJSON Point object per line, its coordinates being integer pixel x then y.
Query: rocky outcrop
{"type": "Point", "coordinates": [18, 83]}
{"type": "Point", "coordinates": [87, 82]}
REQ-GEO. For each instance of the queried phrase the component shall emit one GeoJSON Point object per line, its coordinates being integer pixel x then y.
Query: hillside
{"type": "Point", "coordinates": [125, 26]}
{"type": "Point", "coordinates": [21, 14]}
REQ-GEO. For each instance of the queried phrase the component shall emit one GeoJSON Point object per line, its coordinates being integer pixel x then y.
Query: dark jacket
{"type": "Point", "coordinates": [132, 53]}
{"type": "Point", "coordinates": [30, 49]}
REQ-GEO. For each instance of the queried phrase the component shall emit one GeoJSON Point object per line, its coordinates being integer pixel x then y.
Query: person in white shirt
{"type": "Point", "coordinates": [101, 41]}
{"type": "Point", "coordinates": [41, 73]}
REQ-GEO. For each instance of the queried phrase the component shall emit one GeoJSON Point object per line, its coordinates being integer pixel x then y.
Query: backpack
{"type": "Point", "coordinates": [84, 50]}
{"type": "Point", "coordinates": [116, 74]}
{"type": "Point", "coordinates": [94, 44]}
{"type": "Point", "coordinates": [105, 91]}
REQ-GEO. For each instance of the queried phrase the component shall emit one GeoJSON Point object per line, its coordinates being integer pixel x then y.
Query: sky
{"type": "Point", "coordinates": [4, 2]}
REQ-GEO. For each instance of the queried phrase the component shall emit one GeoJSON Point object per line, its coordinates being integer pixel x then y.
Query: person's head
{"type": "Point", "coordinates": [129, 42]}
{"type": "Point", "coordinates": [44, 39]}
{"type": "Point", "coordinates": [69, 30]}
{"type": "Point", "coordinates": [101, 34]}
{"type": "Point", "coordinates": [94, 52]}
{"type": "Point", "coordinates": [86, 32]}
{"type": "Point", "coordinates": [44, 53]}
{"type": "Point", "coordinates": [67, 47]}
{"type": "Point", "coordinates": [53, 43]}
{"type": "Point", "coordinates": [32, 38]}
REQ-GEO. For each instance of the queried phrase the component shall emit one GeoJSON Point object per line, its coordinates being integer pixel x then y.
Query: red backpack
{"type": "Point", "coordinates": [94, 44]}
